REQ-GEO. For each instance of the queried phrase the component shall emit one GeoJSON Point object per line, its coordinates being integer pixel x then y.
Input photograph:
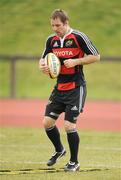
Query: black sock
{"type": "Point", "coordinates": [54, 136]}
{"type": "Point", "coordinates": [73, 140]}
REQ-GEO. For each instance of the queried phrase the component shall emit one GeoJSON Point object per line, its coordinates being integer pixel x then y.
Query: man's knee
{"type": "Point", "coordinates": [69, 126]}
{"type": "Point", "coordinates": [48, 122]}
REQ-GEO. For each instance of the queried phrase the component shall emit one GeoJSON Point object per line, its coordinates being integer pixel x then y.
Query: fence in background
{"type": "Point", "coordinates": [14, 58]}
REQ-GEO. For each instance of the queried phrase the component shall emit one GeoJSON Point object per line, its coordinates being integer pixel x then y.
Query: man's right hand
{"type": "Point", "coordinates": [43, 66]}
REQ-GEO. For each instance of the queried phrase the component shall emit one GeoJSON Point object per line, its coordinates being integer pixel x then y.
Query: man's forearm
{"type": "Point", "coordinates": [88, 59]}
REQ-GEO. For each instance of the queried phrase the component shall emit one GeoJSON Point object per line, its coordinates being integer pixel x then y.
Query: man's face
{"type": "Point", "coordinates": [59, 27]}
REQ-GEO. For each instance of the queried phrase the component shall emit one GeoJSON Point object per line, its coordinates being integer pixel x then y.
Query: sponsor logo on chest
{"type": "Point", "coordinates": [63, 53]}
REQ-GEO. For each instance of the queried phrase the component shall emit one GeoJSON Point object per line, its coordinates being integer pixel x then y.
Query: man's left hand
{"type": "Point", "coordinates": [70, 63]}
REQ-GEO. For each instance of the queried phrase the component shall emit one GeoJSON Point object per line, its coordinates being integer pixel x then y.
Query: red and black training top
{"type": "Point", "coordinates": [73, 45]}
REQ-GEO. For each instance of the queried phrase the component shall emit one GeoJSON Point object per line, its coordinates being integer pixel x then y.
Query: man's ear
{"type": "Point", "coordinates": [66, 23]}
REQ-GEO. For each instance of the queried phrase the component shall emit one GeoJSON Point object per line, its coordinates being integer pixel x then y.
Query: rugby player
{"type": "Point", "coordinates": [74, 49]}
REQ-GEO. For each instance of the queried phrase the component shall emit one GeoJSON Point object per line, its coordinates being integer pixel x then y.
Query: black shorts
{"type": "Point", "coordinates": [71, 102]}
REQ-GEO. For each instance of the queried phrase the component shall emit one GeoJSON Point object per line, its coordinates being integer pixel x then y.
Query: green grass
{"type": "Point", "coordinates": [26, 148]}
{"type": "Point", "coordinates": [103, 80]}
{"type": "Point", "coordinates": [25, 24]}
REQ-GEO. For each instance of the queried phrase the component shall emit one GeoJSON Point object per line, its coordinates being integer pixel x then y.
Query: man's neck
{"type": "Point", "coordinates": [67, 31]}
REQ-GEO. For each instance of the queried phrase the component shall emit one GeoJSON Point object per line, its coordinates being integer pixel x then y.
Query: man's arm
{"type": "Point", "coordinates": [91, 53]}
{"type": "Point", "coordinates": [88, 59]}
{"type": "Point", "coordinates": [42, 63]}
{"type": "Point", "coordinates": [82, 61]}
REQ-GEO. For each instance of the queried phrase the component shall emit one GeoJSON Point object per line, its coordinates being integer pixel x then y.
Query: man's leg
{"type": "Point", "coordinates": [73, 141]}
{"type": "Point", "coordinates": [54, 136]}
{"type": "Point", "coordinates": [53, 133]}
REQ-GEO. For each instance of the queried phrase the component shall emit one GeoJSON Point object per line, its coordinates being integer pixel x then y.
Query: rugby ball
{"type": "Point", "coordinates": [54, 65]}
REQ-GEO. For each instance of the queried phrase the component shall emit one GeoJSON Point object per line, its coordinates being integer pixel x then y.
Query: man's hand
{"type": "Point", "coordinates": [43, 66]}
{"type": "Point", "coordinates": [70, 63]}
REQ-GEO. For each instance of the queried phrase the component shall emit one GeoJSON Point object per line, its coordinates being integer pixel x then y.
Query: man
{"type": "Point", "coordinates": [74, 49]}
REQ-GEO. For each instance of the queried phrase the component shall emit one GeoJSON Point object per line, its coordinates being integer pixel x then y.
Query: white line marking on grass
{"type": "Point", "coordinates": [23, 162]}
{"type": "Point", "coordinates": [102, 148]}
{"type": "Point", "coordinates": [20, 146]}
{"type": "Point", "coordinates": [103, 166]}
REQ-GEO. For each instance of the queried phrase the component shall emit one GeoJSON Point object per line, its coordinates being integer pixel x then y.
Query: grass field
{"type": "Point", "coordinates": [25, 152]}
{"type": "Point", "coordinates": [24, 28]}
{"type": "Point", "coordinates": [26, 24]}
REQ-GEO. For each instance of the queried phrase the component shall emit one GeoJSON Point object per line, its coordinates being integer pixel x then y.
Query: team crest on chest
{"type": "Point", "coordinates": [69, 43]}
